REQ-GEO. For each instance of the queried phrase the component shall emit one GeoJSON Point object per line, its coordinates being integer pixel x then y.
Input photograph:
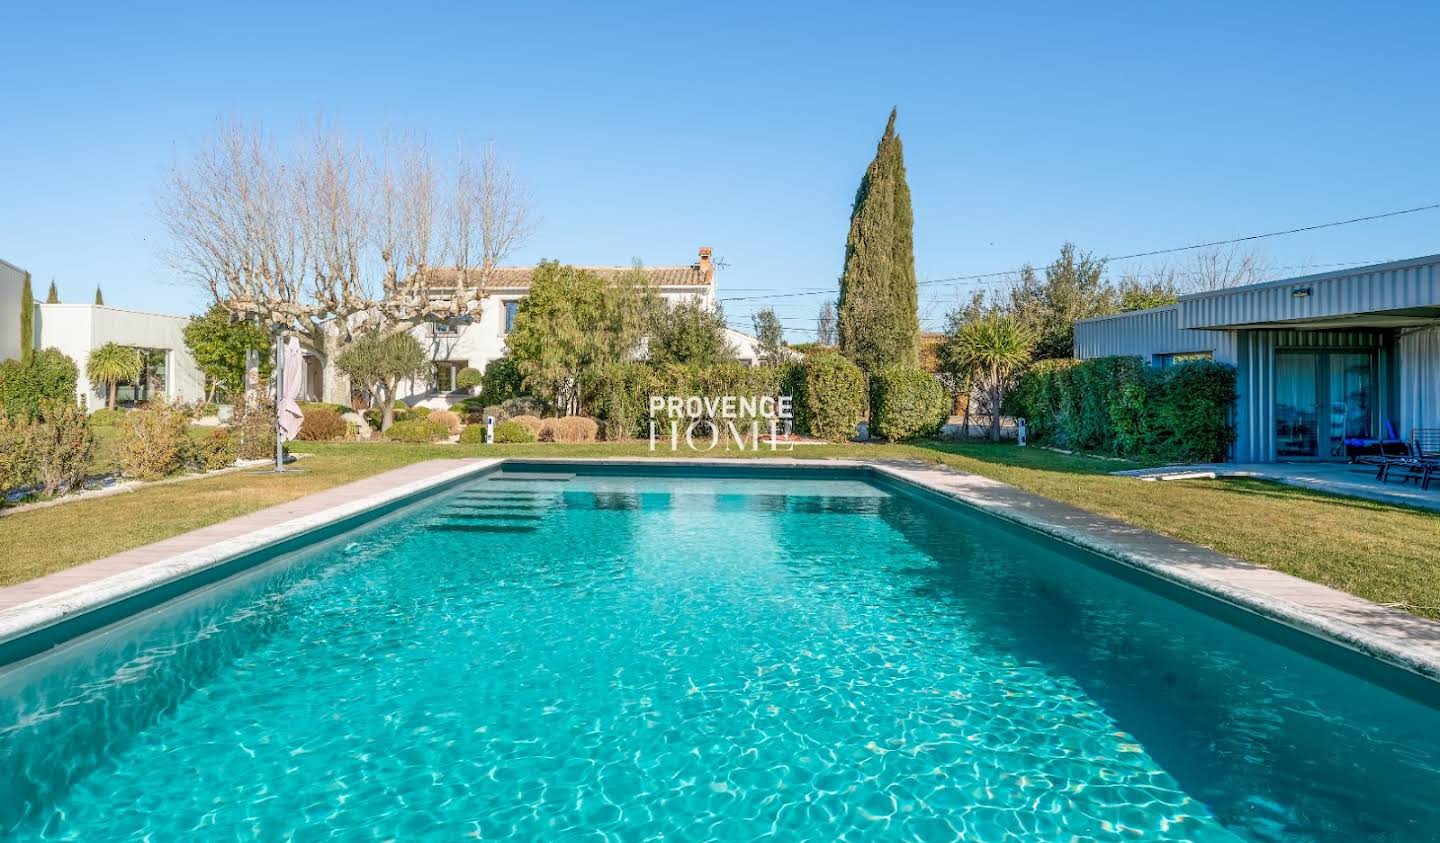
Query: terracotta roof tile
{"type": "Point", "coordinates": [509, 277]}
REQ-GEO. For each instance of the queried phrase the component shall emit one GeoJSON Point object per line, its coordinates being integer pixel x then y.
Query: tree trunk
{"type": "Point", "coordinates": [113, 392]}
{"type": "Point", "coordinates": [387, 405]}
{"type": "Point", "coordinates": [965, 419]}
{"type": "Point", "coordinates": [994, 404]}
{"type": "Point", "coordinates": [335, 386]}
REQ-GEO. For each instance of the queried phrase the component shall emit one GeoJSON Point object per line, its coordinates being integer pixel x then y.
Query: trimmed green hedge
{"type": "Point", "coordinates": [832, 396]}
{"type": "Point", "coordinates": [417, 431]}
{"type": "Point", "coordinates": [1118, 405]}
{"type": "Point", "coordinates": [468, 378]}
{"type": "Point", "coordinates": [620, 399]}
{"type": "Point", "coordinates": [906, 403]}
{"type": "Point", "coordinates": [509, 432]}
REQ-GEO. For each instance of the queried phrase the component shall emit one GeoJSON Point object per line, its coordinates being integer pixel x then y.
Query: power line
{"type": "Point", "coordinates": [1172, 250]}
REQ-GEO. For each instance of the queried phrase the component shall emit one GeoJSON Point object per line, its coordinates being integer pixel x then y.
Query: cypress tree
{"type": "Point", "coordinates": [99, 299]}
{"type": "Point", "coordinates": [879, 302]}
{"type": "Point", "coordinates": [27, 320]}
{"type": "Point", "coordinates": [54, 297]}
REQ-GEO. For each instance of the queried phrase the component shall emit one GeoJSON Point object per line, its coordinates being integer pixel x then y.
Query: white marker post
{"type": "Point", "coordinates": [489, 430]}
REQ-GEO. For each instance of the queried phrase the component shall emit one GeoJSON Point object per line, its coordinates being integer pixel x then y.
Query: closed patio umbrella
{"type": "Point", "coordinates": [291, 370]}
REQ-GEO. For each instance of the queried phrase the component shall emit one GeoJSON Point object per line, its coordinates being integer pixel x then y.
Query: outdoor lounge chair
{"type": "Point", "coordinates": [1422, 462]}
{"type": "Point", "coordinates": [1358, 447]}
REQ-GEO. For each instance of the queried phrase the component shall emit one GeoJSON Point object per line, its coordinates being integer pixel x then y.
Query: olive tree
{"type": "Point", "coordinates": [379, 362]}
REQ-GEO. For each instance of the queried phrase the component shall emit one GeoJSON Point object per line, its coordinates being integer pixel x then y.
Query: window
{"type": "Point", "coordinates": [510, 307]}
{"type": "Point", "coordinates": [444, 329]}
{"type": "Point", "coordinates": [1165, 360]}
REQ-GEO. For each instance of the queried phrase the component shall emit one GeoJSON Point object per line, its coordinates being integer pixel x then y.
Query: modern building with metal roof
{"type": "Point", "coordinates": [1318, 359]}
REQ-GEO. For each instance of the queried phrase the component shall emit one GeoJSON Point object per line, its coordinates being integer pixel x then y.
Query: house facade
{"type": "Point", "coordinates": [474, 343]}
{"type": "Point", "coordinates": [1319, 359]}
{"type": "Point", "coordinates": [77, 329]}
{"type": "Point", "coordinates": [171, 371]}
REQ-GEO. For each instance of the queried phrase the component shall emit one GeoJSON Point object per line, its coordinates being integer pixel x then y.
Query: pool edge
{"type": "Point", "coordinates": [1388, 635]}
{"type": "Point", "coordinates": [36, 616]}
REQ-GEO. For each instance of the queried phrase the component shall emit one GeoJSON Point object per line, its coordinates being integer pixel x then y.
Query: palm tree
{"type": "Point", "coordinates": [112, 363]}
{"type": "Point", "coordinates": [991, 348]}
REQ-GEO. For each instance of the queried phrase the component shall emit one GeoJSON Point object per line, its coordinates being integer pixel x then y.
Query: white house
{"type": "Point", "coordinates": [458, 345]}
{"type": "Point", "coordinates": [77, 329]}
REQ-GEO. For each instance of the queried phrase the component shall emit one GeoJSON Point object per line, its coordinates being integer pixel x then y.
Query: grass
{"type": "Point", "coordinates": [1388, 554]}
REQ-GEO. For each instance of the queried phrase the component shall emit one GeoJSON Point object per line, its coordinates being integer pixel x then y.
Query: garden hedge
{"type": "Point", "coordinates": [620, 394]}
{"type": "Point", "coordinates": [906, 403]}
{"type": "Point", "coordinates": [832, 397]}
{"type": "Point", "coordinates": [509, 432]}
{"type": "Point", "coordinates": [1118, 405]}
{"type": "Point", "coordinates": [24, 385]}
{"type": "Point", "coordinates": [417, 431]}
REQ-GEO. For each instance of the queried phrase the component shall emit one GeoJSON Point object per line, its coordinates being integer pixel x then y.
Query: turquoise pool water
{"type": "Point", "coordinates": [700, 658]}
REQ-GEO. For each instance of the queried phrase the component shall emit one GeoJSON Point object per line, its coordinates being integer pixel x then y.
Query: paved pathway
{"type": "Point", "coordinates": [1336, 478]}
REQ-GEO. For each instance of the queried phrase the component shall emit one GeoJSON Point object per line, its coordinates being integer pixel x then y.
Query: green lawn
{"type": "Point", "coordinates": [1384, 553]}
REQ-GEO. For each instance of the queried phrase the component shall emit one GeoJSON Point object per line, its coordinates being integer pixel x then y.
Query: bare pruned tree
{"type": "Point", "coordinates": [327, 244]}
{"type": "Point", "coordinates": [1223, 267]}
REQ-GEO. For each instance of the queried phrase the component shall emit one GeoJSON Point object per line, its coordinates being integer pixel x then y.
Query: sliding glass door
{"type": "Point", "coordinates": [1321, 398]}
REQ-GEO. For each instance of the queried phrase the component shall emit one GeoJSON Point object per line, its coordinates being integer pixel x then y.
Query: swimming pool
{"type": "Point", "coordinates": [700, 654]}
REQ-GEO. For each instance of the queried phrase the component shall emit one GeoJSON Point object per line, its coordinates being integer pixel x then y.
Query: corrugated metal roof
{"type": "Point", "coordinates": [1395, 286]}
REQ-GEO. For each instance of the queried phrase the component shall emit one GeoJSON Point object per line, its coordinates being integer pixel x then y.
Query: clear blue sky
{"type": "Point", "coordinates": [649, 130]}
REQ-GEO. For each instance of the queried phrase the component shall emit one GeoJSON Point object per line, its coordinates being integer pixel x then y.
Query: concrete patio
{"type": "Point", "coordinates": [1353, 480]}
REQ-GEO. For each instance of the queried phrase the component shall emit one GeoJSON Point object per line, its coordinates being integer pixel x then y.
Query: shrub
{"type": "Point", "coordinates": [416, 431]}
{"type": "Point", "coordinates": [63, 444]}
{"type": "Point", "coordinates": [501, 381]}
{"type": "Point", "coordinates": [215, 451]}
{"type": "Point", "coordinates": [524, 405]}
{"type": "Point", "coordinates": [373, 417]}
{"type": "Point", "coordinates": [570, 429]}
{"type": "Point", "coordinates": [620, 399]}
{"type": "Point", "coordinates": [310, 406]}
{"type": "Point", "coordinates": [1119, 405]}
{"type": "Point", "coordinates": [468, 378]}
{"type": "Point", "coordinates": [154, 442]}
{"type": "Point", "coordinates": [511, 432]}
{"type": "Point", "coordinates": [17, 455]}
{"type": "Point", "coordinates": [530, 423]}
{"type": "Point", "coordinates": [473, 435]}
{"type": "Point", "coordinates": [906, 403]}
{"type": "Point", "coordinates": [321, 424]}
{"type": "Point", "coordinates": [24, 385]}
{"type": "Point", "coordinates": [621, 392]}
{"type": "Point", "coordinates": [833, 393]}
{"type": "Point", "coordinates": [419, 412]}
{"type": "Point", "coordinates": [447, 418]}
{"type": "Point", "coordinates": [107, 418]}
{"type": "Point", "coordinates": [253, 427]}
{"type": "Point", "coordinates": [1191, 412]}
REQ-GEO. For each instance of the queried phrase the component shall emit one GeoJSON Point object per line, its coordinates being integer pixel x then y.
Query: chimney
{"type": "Point", "coordinates": [707, 269]}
